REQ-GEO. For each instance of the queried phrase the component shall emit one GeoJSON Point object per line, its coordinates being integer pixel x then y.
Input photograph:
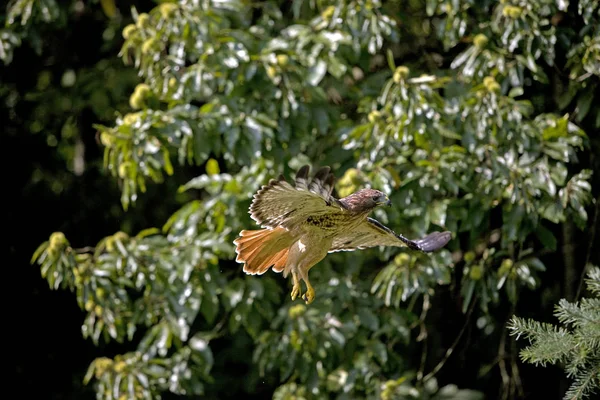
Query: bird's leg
{"type": "Point", "coordinates": [297, 289]}
{"type": "Point", "coordinates": [309, 296]}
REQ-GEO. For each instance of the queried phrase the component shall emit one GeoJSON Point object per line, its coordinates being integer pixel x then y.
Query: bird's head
{"type": "Point", "coordinates": [365, 200]}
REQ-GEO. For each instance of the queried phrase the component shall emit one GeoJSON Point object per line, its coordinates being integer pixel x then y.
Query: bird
{"type": "Point", "coordinates": [301, 223]}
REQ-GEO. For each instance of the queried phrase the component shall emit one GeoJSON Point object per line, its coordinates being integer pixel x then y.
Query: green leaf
{"type": "Point", "coordinates": [468, 296]}
{"type": "Point", "coordinates": [167, 162]}
{"type": "Point", "coordinates": [252, 322]}
{"type": "Point", "coordinates": [38, 252]}
{"type": "Point", "coordinates": [233, 294]}
{"type": "Point", "coordinates": [209, 307]}
{"type": "Point", "coordinates": [380, 352]}
{"type": "Point", "coordinates": [90, 373]}
{"type": "Point", "coordinates": [335, 67]}
{"type": "Point", "coordinates": [368, 318]}
{"type": "Point", "coordinates": [584, 102]}
{"type": "Point", "coordinates": [546, 237]}
{"type": "Point", "coordinates": [516, 92]}
{"type": "Point", "coordinates": [147, 232]}
{"type": "Point", "coordinates": [556, 130]}
{"type": "Point", "coordinates": [316, 73]}
{"type": "Point", "coordinates": [390, 60]}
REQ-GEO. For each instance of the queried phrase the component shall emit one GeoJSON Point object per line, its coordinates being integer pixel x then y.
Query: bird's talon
{"type": "Point", "coordinates": [309, 296]}
{"type": "Point", "coordinates": [296, 291]}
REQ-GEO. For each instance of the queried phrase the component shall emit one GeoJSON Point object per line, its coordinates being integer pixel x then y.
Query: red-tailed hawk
{"type": "Point", "coordinates": [303, 223]}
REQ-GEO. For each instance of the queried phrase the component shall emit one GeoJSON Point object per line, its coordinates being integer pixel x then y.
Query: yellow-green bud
{"type": "Point", "coordinates": [137, 99]}
{"type": "Point", "coordinates": [57, 241]}
{"type": "Point", "coordinates": [469, 256]}
{"type": "Point", "coordinates": [120, 366]}
{"type": "Point", "coordinates": [282, 60]}
{"type": "Point", "coordinates": [121, 236]}
{"type": "Point", "coordinates": [109, 243]}
{"type": "Point", "coordinates": [490, 84]}
{"type": "Point", "coordinates": [506, 265]}
{"type": "Point", "coordinates": [328, 12]}
{"type": "Point", "coordinates": [401, 259]}
{"type": "Point", "coordinates": [271, 72]}
{"type": "Point", "coordinates": [212, 167]}
{"type": "Point", "coordinates": [166, 9]}
{"type": "Point", "coordinates": [106, 139]}
{"type": "Point", "coordinates": [123, 170]}
{"type": "Point", "coordinates": [143, 19]}
{"type": "Point", "coordinates": [476, 273]}
{"type": "Point", "coordinates": [148, 45]}
{"type": "Point", "coordinates": [128, 31]}
{"type": "Point", "coordinates": [142, 88]}
{"type": "Point", "coordinates": [373, 116]}
{"type": "Point", "coordinates": [130, 118]}
{"type": "Point", "coordinates": [297, 311]}
{"type": "Point", "coordinates": [102, 364]}
{"type": "Point", "coordinates": [513, 12]}
{"type": "Point", "coordinates": [480, 41]}
{"type": "Point", "coordinates": [401, 73]}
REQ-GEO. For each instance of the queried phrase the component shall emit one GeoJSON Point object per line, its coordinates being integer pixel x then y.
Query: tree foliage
{"type": "Point", "coordinates": [575, 344]}
{"type": "Point", "coordinates": [453, 108]}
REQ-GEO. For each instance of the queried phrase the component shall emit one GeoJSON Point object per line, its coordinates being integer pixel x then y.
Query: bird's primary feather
{"type": "Point", "coordinates": [280, 204]}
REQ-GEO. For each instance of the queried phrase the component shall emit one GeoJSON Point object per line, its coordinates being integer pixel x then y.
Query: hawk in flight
{"type": "Point", "coordinates": [304, 222]}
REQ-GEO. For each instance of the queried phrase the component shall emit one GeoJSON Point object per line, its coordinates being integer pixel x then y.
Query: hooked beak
{"type": "Point", "coordinates": [384, 201]}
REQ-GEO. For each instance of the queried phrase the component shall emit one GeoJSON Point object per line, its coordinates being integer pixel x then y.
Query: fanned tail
{"type": "Point", "coordinates": [262, 249]}
{"type": "Point", "coordinates": [432, 242]}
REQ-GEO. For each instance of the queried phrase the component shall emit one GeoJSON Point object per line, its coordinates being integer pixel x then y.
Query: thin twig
{"type": "Point", "coordinates": [515, 368]}
{"type": "Point", "coordinates": [216, 331]}
{"type": "Point", "coordinates": [423, 335]}
{"type": "Point", "coordinates": [426, 307]}
{"type": "Point", "coordinates": [449, 352]}
{"type": "Point", "coordinates": [423, 360]}
{"type": "Point", "coordinates": [424, 310]}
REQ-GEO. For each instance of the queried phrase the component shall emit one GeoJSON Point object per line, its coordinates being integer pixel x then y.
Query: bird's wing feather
{"type": "Point", "coordinates": [372, 233]}
{"type": "Point", "coordinates": [280, 204]}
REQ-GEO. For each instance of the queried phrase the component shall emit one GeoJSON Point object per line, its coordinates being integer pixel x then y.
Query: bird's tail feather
{"type": "Point", "coordinates": [262, 249]}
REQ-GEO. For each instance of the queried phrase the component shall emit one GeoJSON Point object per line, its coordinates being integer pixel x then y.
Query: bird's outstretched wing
{"type": "Point", "coordinates": [371, 233]}
{"type": "Point", "coordinates": [280, 204]}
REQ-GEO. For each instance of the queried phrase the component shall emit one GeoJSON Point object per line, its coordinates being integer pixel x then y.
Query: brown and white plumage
{"type": "Point", "coordinates": [280, 204]}
{"type": "Point", "coordinates": [304, 222]}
